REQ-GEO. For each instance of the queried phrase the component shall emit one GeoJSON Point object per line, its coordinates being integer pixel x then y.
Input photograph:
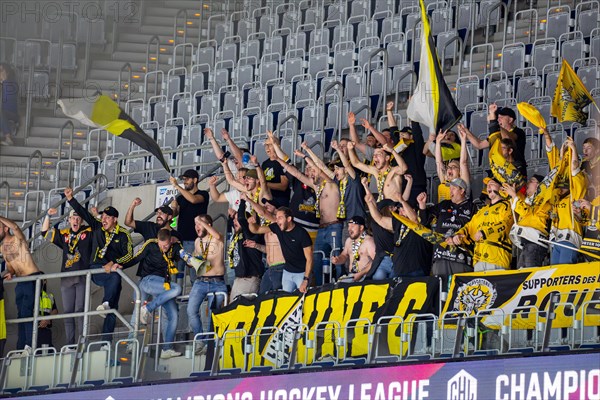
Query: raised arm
{"type": "Point", "coordinates": [235, 150]}
{"type": "Point", "coordinates": [384, 222]}
{"type": "Point", "coordinates": [295, 172]}
{"type": "Point", "coordinates": [210, 229]}
{"type": "Point", "coordinates": [129, 221]}
{"type": "Point", "coordinates": [46, 223]}
{"type": "Point", "coordinates": [345, 162]}
{"type": "Point", "coordinates": [356, 163]}
{"type": "Point", "coordinates": [13, 227]}
{"type": "Point", "coordinates": [465, 173]}
{"type": "Point", "coordinates": [80, 210]}
{"type": "Point", "coordinates": [230, 178]}
{"type": "Point", "coordinates": [276, 146]}
{"type": "Point", "coordinates": [367, 125]}
{"type": "Point", "coordinates": [265, 190]}
{"type": "Point", "coordinates": [360, 146]}
{"type": "Point", "coordinates": [219, 153]}
{"type": "Point", "coordinates": [575, 165]}
{"type": "Point", "coordinates": [258, 208]}
{"type": "Point", "coordinates": [185, 193]}
{"type": "Point", "coordinates": [407, 187]}
{"type": "Point", "coordinates": [401, 166]}
{"type": "Point", "coordinates": [389, 111]}
{"type": "Point", "coordinates": [215, 195]}
{"type": "Point", "coordinates": [439, 160]}
{"type": "Point", "coordinates": [410, 212]}
{"type": "Point", "coordinates": [317, 161]}
{"type": "Point", "coordinates": [258, 229]}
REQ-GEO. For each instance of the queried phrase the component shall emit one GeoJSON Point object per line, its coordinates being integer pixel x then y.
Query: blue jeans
{"type": "Point", "coordinates": [325, 243]}
{"type": "Point", "coordinates": [153, 285]}
{"type": "Point", "coordinates": [271, 280]}
{"type": "Point", "coordinates": [25, 299]}
{"type": "Point", "coordinates": [560, 255]}
{"type": "Point", "coordinates": [291, 281]}
{"type": "Point", "coordinates": [202, 287]}
{"type": "Point", "coordinates": [112, 293]}
{"type": "Point", "coordinates": [385, 269]}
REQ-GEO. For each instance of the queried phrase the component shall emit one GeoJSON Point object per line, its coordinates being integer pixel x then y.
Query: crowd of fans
{"type": "Point", "coordinates": [364, 215]}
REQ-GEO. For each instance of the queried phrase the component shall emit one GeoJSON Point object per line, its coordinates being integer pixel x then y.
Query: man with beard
{"type": "Point", "coordinates": [208, 247]}
{"type": "Point", "coordinates": [411, 255]}
{"type": "Point", "coordinates": [450, 216]}
{"type": "Point", "coordinates": [359, 250]}
{"type": "Point", "coordinates": [489, 231]}
{"type": "Point", "coordinates": [190, 203]}
{"type": "Point", "coordinates": [19, 262]}
{"type": "Point", "coordinates": [75, 243]}
{"type": "Point", "coordinates": [327, 202]}
{"type": "Point", "coordinates": [149, 229]}
{"type": "Point", "coordinates": [296, 247]}
{"type": "Point", "coordinates": [111, 244]}
{"type": "Point", "coordinates": [453, 169]}
{"type": "Point", "coordinates": [389, 179]}
{"type": "Point", "coordinates": [531, 225]}
{"type": "Point", "coordinates": [591, 166]}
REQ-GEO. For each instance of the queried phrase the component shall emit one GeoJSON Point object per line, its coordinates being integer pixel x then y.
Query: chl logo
{"type": "Point", "coordinates": [462, 386]}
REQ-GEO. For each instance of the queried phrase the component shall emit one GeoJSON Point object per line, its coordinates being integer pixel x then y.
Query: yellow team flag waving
{"type": "Point", "coordinates": [532, 114]}
{"type": "Point", "coordinates": [570, 96]}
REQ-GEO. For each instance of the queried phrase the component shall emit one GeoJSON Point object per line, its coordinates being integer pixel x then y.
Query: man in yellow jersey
{"type": "Point", "coordinates": [531, 224]}
{"type": "Point", "coordinates": [489, 230]}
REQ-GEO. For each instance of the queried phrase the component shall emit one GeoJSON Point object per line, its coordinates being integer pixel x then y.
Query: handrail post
{"type": "Point", "coordinates": [385, 72]}
{"type": "Point", "coordinates": [125, 67]}
{"type": "Point", "coordinates": [153, 39]}
{"type": "Point", "coordinates": [6, 185]}
{"type": "Point", "coordinates": [294, 132]}
{"type": "Point", "coordinates": [88, 41]}
{"type": "Point", "coordinates": [35, 154]}
{"type": "Point", "coordinates": [29, 100]}
{"type": "Point", "coordinates": [324, 92]}
{"type": "Point", "coordinates": [36, 313]}
{"type": "Point", "coordinates": [86, 305]}
{"type": "Point", "coordinates": [175, 33]}
{"type": "Point", "coordinates": [57, 93]}
{"type": "Point", "coordinates": [487, 24]}
{"type": "Point", "coordinates": [458, 39]}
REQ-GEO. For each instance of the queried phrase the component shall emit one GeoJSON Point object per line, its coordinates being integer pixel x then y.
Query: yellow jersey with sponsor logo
{"type": "Point", "coordinates": [494, 221]}
{"type": "Point", "coordinates": [533, 215]}
{"type": "Point", "coordinates": [562, 212]}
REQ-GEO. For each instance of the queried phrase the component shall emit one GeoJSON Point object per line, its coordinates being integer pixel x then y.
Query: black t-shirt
{"type": "Point", "coordinates": [249, 261]}
{"type": "Point", "coordinates": [152, 261]}
{"type": "Point", "coordinates": [302, 203]}
{"type": "Point", "coordinates": [411, 252]}
{"type": "Point", "coordinates": [76, 247]}
{"type": "Point", "coordinates": [450, 218]}
{"type": "Point", "coordinates": [413, 155]}
{"type": "Point", "coordinates": [384, 239]}
{"type": "Point", "coordinates": [187, 213]}
{"type": "Point", "coordinates": [149, 230]}
{"type": "Point", "coordinates": [293, 244]}
{"type": "Point", "coordinates": [273, 173]}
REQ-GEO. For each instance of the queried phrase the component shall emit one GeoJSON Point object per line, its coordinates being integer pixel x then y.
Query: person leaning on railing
{"type": "Point", "coordinates": [111, 244]}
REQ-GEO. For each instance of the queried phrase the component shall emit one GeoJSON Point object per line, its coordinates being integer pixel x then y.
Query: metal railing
{"type": "Point", "coordinates": [324, 92]}
{"type": "Point", "coordinates": [6, 185]}
{"type": "Point", "coordinates": [385, 76]}
{"type": "Point", "coordinates": [125, 67]}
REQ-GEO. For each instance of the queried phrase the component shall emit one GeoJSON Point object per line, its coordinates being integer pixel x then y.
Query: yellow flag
{"type": "Point", "coordinates": [570, 96]}
{"type": "Point", "coordinates": [504, 171]}
{"type": "Point", "coordinates": [532, 114]}
{"type": "Point", "coordinates": [426, 233]}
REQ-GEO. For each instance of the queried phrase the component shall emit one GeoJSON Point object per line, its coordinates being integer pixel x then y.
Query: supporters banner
{"type": "Point", "coordinates": [508, 292]}
{"type": "Point", "coordinates": [264, 326]}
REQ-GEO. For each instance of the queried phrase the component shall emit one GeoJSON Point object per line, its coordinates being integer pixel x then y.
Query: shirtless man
{"type": "Point", "coordinates": [271, 279]}
{"type": "Point", "coordinates": [389, 179]}
{"type": "Point", "coordinates": [328, 200]}
{"type": "Point", "coordinates": [19, 262]}
{"type": "Point", "coordinates": [208, 246]}
{"type": "Point", "coordinates": [359, 250]}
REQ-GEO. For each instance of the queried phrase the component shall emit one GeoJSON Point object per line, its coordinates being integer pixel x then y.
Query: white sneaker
{"type": "Point", "coordinates": [200, 349]}
{"type": "Point", "coordinates": [170, 353]}
{"type": "Point", "coordinates": [144, 315]}
{"type": "Point", "coordinates": [103, 307]}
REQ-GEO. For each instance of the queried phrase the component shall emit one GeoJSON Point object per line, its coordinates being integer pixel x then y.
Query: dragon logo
{"type": "Point", "coordinates": [475, 295]}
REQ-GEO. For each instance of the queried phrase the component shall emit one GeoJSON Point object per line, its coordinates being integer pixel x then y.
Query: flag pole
{"type": "Point", "coordinates": [570, 248]}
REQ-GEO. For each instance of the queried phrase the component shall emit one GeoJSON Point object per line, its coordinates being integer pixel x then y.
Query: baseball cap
{"type": "Point", "coordinates": [506, 111]}
{"type": "Point", "coordinates": [73, 213]}
{"type": "Point", "coordinates": [190, 173]}
{"type": "Point", "coordinates": [358, 220]}
{"type": "Point", "coordinates": [458, 182]}
{"type": "Point", "coordinates": [110, 211]}
{"type": "Point", "coordinates": [538, 177]}
{"type": "Point", "coordinates": [165, 209]}
{"type": "Point", "coordinates": [386, 203]}
{"type": "Point", "coordinates": [252, 174]}
{"type": "Point", "coordinates": [336, 162]}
